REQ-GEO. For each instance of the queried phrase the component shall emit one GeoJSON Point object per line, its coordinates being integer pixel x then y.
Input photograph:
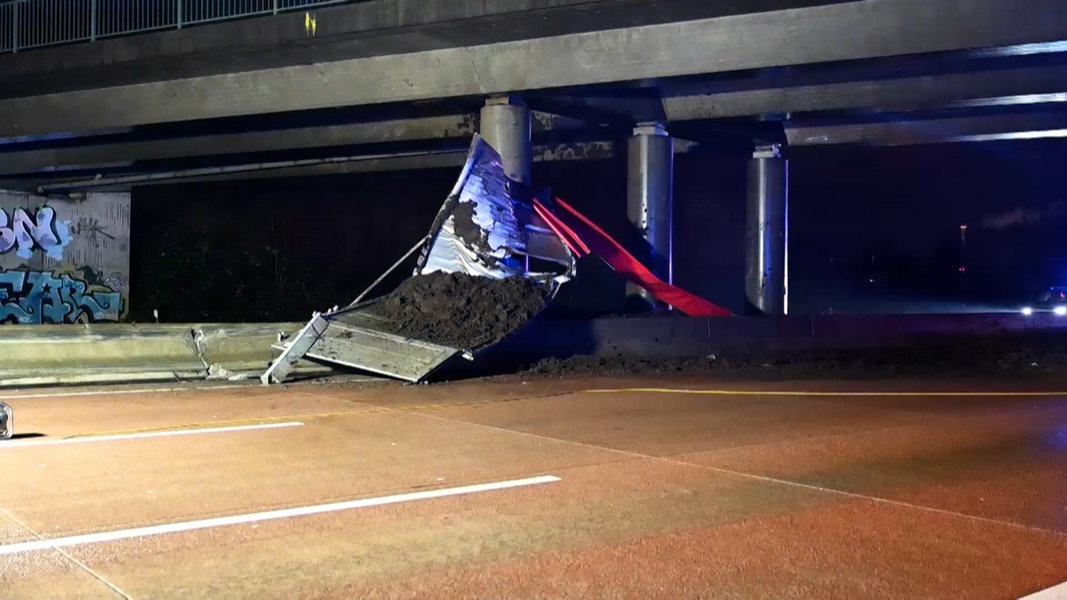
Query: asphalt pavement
{"type": "Point", "coordinates": [621, 487]}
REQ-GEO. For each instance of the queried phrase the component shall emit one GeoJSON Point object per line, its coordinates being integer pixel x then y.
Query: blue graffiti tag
{"type": "Point", "coordinates": [35, 297]}
{"type": "Point", "coordinates": [25, 234]}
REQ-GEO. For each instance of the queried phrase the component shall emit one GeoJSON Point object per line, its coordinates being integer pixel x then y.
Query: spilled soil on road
{"type": "Point", "coordinates": [459, 310]}
{"type": "Point", "coordinates": [993, 355]}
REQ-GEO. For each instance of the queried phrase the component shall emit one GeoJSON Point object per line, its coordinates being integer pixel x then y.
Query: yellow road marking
{"type": "Point", "coordinates": [824, 394]}
{"type": "Point", "coordinates": [443, 405]}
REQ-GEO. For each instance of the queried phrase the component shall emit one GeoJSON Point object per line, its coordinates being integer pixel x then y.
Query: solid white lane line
{"type": "Point", "coordinates": [287, 513]}
{"type": "Point", "coordinates": [80, 564]}
{"type": "Point", "coordinates": [148, 434]}
{"type": "Point", "coordinates": [1056, 592]}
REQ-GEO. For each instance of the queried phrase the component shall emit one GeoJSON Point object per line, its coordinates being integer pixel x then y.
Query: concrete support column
{"type": "Point", "coordinates": [505, 125]}
{"type": "Point", "coordinates": [767, 233]}
{"type": "Point", "coordinates": [649, 199]}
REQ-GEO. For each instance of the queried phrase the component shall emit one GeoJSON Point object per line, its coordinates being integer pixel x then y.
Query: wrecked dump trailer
{"type": "Point", "coordinates": [488, 265]}
{"type": "Point", "coordinates": [496, 256]}
{"type": "Point", "coordinates": [427, 321]}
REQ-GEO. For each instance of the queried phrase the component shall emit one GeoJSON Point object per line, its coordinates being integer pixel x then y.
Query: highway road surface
{"type": "Point", "coordinates": [653, 487]}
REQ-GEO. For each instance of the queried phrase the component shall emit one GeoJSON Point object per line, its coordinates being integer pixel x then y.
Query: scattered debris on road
{"type": "Point", "coordinates": [989, 355]}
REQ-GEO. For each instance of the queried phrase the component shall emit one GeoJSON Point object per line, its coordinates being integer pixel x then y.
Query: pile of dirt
{"type": "Point", "coordinates": [460, 310]}
{"type": "Point", "coordinates": [1002, 355]}
{"type": "Point", "coordinates": [583, 366]}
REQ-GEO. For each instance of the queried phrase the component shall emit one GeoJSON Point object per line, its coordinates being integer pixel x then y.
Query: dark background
{"type": "Point", "coordinates": [871, 230]}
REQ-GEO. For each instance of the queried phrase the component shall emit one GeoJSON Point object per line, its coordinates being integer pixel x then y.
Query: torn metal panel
{"type": "Point", "coordinates": [450, 254]}
{"type": "Point", "coordinates": [379, 352]}
{"type": "Point", "coordinates": [488, 226]}
{"type": "Point", "coordinates": [347, 338]}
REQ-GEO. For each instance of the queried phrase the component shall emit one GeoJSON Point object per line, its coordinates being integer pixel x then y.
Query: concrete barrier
{"type": "Point", "coordinates": [106, 353]}
{"type": "Point", "coordinates": [681, 337]}
{"type": "Point", "coordinates": [111, 353]}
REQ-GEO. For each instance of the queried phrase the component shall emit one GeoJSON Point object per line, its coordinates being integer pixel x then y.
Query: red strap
{"type": "Point", "coordinates": [590, 238]}
{"type": "Point", "coordinates": [570, 239]}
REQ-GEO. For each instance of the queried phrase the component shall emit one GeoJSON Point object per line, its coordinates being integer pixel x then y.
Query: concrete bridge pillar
{"type": "Point", "coordinates": [649, 199]}
{"type": "Point", "coordinates": [505, 125]}
{"type": "Point", "coordinates": [767, 233]}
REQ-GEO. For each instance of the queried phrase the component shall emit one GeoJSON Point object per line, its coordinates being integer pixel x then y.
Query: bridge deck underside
{"type": "Point", "coordinates": [887, 72]}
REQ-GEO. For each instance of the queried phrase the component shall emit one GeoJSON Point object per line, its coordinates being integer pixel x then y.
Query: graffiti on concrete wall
{"type": "Point", "coordinates": [26, 233]}
{"type": "Point", "coordinates": [64, 261]}
{"type": "Point", "coordinates": [35, 297]}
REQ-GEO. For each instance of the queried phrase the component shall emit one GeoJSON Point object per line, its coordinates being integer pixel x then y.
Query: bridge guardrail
{"type": "Point", "coordinates": [29, 24]}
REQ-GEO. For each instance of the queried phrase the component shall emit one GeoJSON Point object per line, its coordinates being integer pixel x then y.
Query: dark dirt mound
{"type": "Point", "coordinates": [459, 310]}
{"type": "Point", "coordinates": [1003, 355]}
{"type": "Point", "coordinates": [616, 366]}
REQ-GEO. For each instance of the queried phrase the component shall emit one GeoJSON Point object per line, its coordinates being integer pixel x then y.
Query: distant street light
{"type": "Point", "coordinates": [963, 248]}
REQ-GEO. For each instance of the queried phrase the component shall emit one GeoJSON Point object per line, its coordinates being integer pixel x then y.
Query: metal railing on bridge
{"type": "Point", "coordinates": [26, 24]}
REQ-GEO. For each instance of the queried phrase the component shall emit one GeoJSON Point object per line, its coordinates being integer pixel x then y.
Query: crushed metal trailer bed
{"type": "Point", "coordinates": [338, 338]}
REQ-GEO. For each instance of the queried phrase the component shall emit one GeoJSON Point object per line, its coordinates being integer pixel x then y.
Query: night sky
{"type": "Point", "coordinates": [867, 225]}
{"type": "Point", "coordinates": [910, 198]}
{"type": "Point", "coordinates": [911, 202]}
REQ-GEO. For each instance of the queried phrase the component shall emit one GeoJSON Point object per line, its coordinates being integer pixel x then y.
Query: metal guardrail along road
{"type": "Point", "coordinates": [28, 24]}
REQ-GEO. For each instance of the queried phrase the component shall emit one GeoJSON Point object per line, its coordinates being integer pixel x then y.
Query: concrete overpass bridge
{"type": "Point", "coordinates": [403, 84]}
